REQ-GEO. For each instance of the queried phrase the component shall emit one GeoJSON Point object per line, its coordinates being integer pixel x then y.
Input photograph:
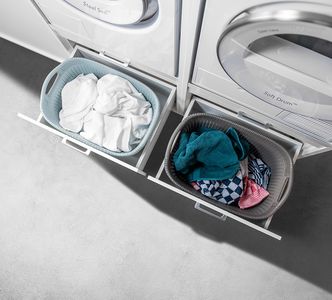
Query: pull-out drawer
{"type": "Point", "coordinates": [198, 106]}
{"type": "Point", "coordinates": [149, 161]}
{"type": "Point", "coordinates": [164, 92]}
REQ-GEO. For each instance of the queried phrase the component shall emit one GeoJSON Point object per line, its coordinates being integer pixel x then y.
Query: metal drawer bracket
{"type": "Point", "coordinates": [220, 217]}
{"type": "Point", "coordinates": [244, 116]}
{"type": "Point", "coordinates": [125, 63]}
{"type": "Point", "coordinates": [73, 146]}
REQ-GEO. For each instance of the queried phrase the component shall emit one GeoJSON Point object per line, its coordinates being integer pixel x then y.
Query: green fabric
{"type": "Point", "coordinates": [209, 154]}
{"type": "Point", "coordinates": [241, 145]}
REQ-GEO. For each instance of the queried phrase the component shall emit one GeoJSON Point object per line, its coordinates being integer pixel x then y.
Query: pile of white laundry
{"type": "Point", "coordinates": [109, 112]}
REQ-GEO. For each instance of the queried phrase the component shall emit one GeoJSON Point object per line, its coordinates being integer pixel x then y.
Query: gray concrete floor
{"type": "Point", "coordinates": [73, 227]}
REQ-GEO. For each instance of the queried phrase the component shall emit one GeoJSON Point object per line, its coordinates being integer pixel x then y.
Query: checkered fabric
{"type": "Point", "coordinates": [226, 191]}
{"type": "Point", "coordinates": [259, 171]}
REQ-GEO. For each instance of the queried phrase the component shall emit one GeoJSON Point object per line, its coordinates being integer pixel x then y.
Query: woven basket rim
{"type": "Point", "coordinates": [171, 148]}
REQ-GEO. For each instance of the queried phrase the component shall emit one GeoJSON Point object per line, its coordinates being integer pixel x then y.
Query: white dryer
{"type": "Point", "coordinates": [144, 33]}
{"type": "Point", "coordinates": [274, 58]}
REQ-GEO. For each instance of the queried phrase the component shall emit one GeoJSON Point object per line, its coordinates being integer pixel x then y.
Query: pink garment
{"type": "Point", "coordinates": [252, 195]}
{"type": "Point", "coordinates": [195, 185]}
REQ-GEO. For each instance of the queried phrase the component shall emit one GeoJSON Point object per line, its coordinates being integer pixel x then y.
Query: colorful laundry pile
{"type": "Point", "coordinates": [109, 112]}
{"type": "Point", "coordinates": [222, 166]}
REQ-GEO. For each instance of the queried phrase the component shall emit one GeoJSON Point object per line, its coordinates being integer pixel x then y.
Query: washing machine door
{"type": "Point", "coordinates": [282, 54]}
{"type": "Point", "coordinates": [118, 12]}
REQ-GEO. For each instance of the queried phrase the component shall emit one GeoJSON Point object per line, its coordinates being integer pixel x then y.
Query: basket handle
{"type": "Point", "coordinates": [172, 140]}
{"type": "Point", "coordinates": [46, 89]}
{"type": "Point", "coordinates": [71, 145]}
{"type": "Point", "coordinates": [199, 207]}
{"type": "Point", "coordinates": [285, 191]}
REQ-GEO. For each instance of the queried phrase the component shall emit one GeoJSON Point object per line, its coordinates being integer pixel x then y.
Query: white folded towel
{"type": "Point", "coordinates": [109, 112]}
{"type": "Point", "coordinates": [122, 134]}
{"type": "Point", "coordinates": [78, 97]}
{"type": "Point", "coordinates": [118, 95]}
{"type": "Point", "coordinates": [126, 115]}
{"type": "Point", "coordinates": [93, 128]}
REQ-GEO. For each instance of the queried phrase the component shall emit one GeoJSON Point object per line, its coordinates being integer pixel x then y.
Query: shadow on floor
{"type": "Point", "coordinates": [304, 221]}
{"type": "Point", "coordinates": [25, 66]}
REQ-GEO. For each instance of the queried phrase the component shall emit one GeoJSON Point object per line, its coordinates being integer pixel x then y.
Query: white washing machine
{"type": "Point", "coordinates": [144, 33]}
{"type": "Point", "coordinates": [273, 58]}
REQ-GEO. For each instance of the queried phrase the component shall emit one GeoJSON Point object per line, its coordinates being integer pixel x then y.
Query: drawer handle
{"type": "Point", "coordinates": [199, 207]}
{"type": "Point", "coordinates": [71, 145]}
{"type": "Point", "coordinates": [245, 117]}
{"type": "Point", "coordinates": [125, 63]}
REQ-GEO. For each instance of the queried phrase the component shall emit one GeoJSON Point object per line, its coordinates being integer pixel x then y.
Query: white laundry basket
{"type": "Point", "coordinates": [51, 102]}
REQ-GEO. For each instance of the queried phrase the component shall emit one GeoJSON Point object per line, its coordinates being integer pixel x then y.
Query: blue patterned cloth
{"type": "Point", "coordinates": [226, 191]}
{"type": "Point", "coordinates": [259, 171]}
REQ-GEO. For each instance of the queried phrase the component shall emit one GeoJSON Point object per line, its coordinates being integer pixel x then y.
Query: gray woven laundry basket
{"type": "Point", "coordinates": [271, 152]}
{"type": "Point", "coordinates": [51, 102]}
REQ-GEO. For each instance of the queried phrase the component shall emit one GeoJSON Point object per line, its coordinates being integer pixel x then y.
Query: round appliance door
{"type": "Point", "coordinates": [282, 54]}
{"type": "Point", "coordinates": [117, 12]}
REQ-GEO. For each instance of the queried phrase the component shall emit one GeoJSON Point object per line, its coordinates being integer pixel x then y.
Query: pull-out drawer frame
{"type": "Point", "coordinates": [164, 91]}
{"type": "Point", "coordinates": [138, 163]}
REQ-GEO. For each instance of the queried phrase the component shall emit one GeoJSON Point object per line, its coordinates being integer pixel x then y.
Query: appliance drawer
{"type": "Point", "coordinates": [197, 105]}
{"type": "Point", "coordinates": [149, 161]}
{"type": "Point", "coordinates": [165, 93]}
